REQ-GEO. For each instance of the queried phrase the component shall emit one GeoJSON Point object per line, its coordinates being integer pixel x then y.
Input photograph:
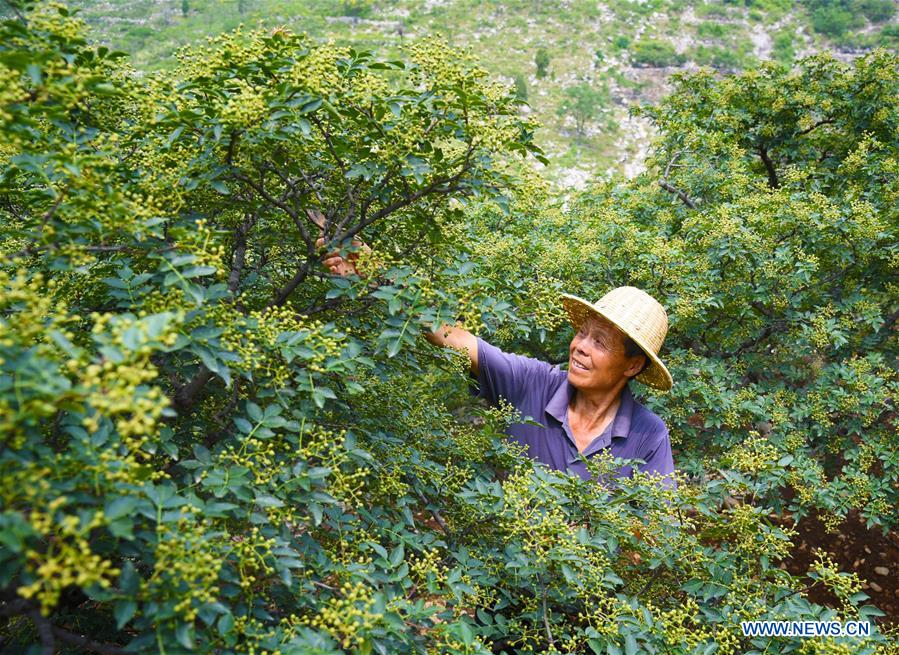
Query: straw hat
{"type": "Point", "coordinates": [639, 316]}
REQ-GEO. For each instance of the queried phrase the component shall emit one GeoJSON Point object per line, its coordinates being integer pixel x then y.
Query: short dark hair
{"type": "Point", "coordinates": [631, 349]}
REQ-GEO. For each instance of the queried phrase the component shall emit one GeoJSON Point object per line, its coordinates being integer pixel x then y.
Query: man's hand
{"type": "Point", "coordinates": [340, 265]}
{"type": "Point", "coordinates": [459, 338]}
{"type": "Point", "coordinates": [446, 335]}
{"type": "Point", "coordinates": [333, 261]}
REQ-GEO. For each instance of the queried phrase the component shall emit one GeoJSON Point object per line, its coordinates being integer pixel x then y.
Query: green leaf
{"type": "Point", "coordinates": [225, 623]}
{"type": "Point", "coordinates": [255, 412]}
{"type": "Point", "coordinates": [630, 645]}
{"type": "Point", "coordinates": [466, 633]}
{"type": "Point", "coordinates": [322, 394]}
{"type": "Point", "coordinates": [119, 507]}
{"type": "Point", "coordinates": [311, 105]}
{"type": "Point", "coordinates": [129, 580]}
{"type": "Point", "coordinates": [869, 611]}
{"type": "Point", "coordinates": [184, 633]}
{"type": "Point", "coordinates": [123, 611]}
{"type": "Point", "coordinates": [397, 555]}
{"type": "Point", "coordinates": [269, 501]}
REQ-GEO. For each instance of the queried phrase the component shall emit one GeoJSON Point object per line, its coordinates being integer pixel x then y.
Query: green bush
{"type": "Point", "coordinates": [835, 17]}
{"type": "Point", "coordinates": [722, 58]}
{"type": "Point", "coordinates": [714, 30]}
{"type": "Point", "coordinates": [541, 60]}
{"type": "Point", "coordinates": [584, 102]}
{"type": "Point", "coordinates": [210, 445]}
{"type": "Point", "coordinates": [811, 147]}
{"type": "Point", "coordinates": [713, 9]}
{"type": "Point", "coordinates": [521, 87]}
{"type": "Point", "coordinates": [782, 47]}
{"type": "Point", "coordinates": [877, 11]}
{"type": "Point", "coordinates": [621, 42]}
{"type": "Point", "coordinates": [651, 52]}
{"type": "Point", "coordinates": [889, 36]}
{"type": "Point", "coordinates": [832, 20]}
{"type": "Point", "coordinates": [140, 32]}
{"type": "Point", "coordinates": [355, 8]}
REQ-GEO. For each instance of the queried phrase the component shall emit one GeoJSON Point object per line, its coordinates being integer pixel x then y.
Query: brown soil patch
{"type": "Point", "coordinates": [870, 554]}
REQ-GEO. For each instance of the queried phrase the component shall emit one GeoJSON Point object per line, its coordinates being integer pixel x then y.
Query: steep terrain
{"type": "Point", "coordinates": [601, 57]}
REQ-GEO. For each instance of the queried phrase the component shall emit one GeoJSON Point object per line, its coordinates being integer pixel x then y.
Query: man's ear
{"type": "Point", "coordinates": [636, 365]}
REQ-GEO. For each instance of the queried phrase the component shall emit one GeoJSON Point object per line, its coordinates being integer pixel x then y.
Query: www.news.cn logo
{"type": "Point", "coordinates": [805, 628]}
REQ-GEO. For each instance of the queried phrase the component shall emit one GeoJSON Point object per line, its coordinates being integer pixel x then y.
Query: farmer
{"type": "Point", "coordinates": [588, 408]}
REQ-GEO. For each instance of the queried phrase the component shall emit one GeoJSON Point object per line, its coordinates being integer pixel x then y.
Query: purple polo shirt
{"type": "Point", "coordinates": [542, 391]}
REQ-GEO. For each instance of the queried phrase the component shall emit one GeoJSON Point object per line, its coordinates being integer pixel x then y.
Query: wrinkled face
{"type": "Point", "coordinates": [597, 359]}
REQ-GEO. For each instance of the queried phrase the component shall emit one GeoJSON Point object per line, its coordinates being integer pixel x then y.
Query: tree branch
{"type": "Point", "coordinates": [240, 251]}
{"type": "Point", "coordinates": [348, 188]}
{"type": "Point", "coordinates": [14, 607]}
{"type": "Point", "coordinates": [549, 632]}
{"type": "Point", "coordinates": [284, 293]}
{"type": "Point", "coordinates": [435, 513]}
{"type": "Point", "coordinates": [670, 188]}
{"type": "Point", "coordinates": [773, 182]}
{"type": "Point", "coordinates": [433, 187]}
{"type": "Point", "coordinates": [88, 644]}
{"type": "Point", "coordinates": [232, 146]}
{"type": "Point", "coordinates": [680, 194]}
{"type": "Point", "coordinates": [652, 578]}
{"type": "Point", "coordinates": [44, 631]}
{"type": "Point", "coordinates": [826, 121]}
{"type": "Point", "coordinates": [186, 395]}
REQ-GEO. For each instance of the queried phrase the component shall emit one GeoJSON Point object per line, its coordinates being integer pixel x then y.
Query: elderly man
{"type": "Point", "coordinates": [588, 408]}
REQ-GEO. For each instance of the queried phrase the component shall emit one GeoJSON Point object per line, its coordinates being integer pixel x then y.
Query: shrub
{"type": "Point", "coordinates": [782, 47]}
{"type": "Point", "coordinates": [714, 30]}
{"type": "Point", "coordinates": [889, 35]}
{"type": "Point", "coordinates": [584, 102]}
{"type": "Point", "coordinates": [655, 53]}
{"type": "Point", "coordinates": [141, 32]}
{"type": "Point", "coordinates": [722, 58]}
{"type": "Point", "coordinates": [713, 9]}
{"type": "Point", "coordinates": [541, 60]}
{"type": "Point", "coordinates": [521, 87]}
{"type": "Point", "coordinates": [877, 11]}
{"type": "Point", "coordinates": [810, 147]}
{"type": "Point", "coordinates": [832, 20]}
{"type": "Point", "coordinates": [355, 8]}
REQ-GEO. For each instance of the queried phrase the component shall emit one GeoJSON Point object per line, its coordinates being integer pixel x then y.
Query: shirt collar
{"type": "Point", "coordinates": [557, 407]}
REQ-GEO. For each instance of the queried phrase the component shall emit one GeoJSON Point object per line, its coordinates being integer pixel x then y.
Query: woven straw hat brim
{"type": "Point", "coordinates": [655, 375]}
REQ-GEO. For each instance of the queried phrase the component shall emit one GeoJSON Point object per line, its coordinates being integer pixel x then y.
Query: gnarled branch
{"type": "Point", "coordinates": [670, 188]}
{"type": "Point", "coordinates": [773, 182]}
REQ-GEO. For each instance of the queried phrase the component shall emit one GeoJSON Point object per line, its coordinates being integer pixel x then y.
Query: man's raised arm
{"type": "Point", "coordinates": [458, 338]}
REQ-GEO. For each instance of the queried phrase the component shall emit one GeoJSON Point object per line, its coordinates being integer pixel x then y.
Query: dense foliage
{"type": "Point", "coordinates": [729, 35]}
{"type": "Point", "coordinates": [209, 444]}
{"type": "Point", "coordinates": [835, 17]}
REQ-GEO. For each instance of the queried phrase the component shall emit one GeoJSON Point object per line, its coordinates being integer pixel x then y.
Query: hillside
{"type": "Point", "coordinates": [600, 57]}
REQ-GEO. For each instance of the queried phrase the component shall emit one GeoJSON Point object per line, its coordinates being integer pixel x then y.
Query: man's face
{"type": "Point", "coordinates": [597, 359]}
